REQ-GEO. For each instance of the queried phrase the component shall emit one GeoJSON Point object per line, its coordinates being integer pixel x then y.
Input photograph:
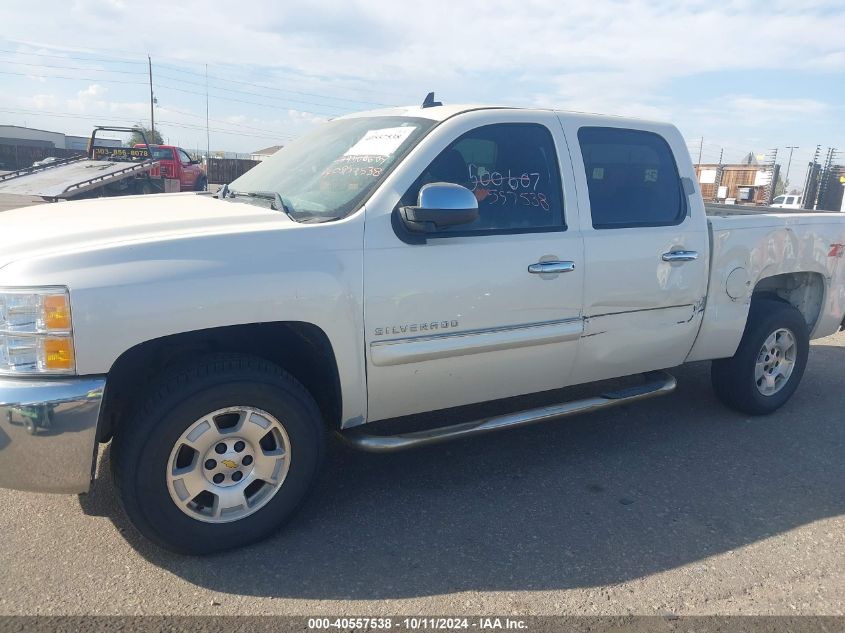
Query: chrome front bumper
{"type": "Point", "coordinates": [48, 433]}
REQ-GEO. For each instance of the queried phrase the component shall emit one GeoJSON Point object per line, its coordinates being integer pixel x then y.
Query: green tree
{"type": "Point", "coordinates": [781, 186]}
{"type": "Point", "coordinates": [136, 138]}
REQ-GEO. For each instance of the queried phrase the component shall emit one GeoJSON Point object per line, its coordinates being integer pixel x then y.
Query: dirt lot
{"type": "Point", "coordinates": [674, 505]}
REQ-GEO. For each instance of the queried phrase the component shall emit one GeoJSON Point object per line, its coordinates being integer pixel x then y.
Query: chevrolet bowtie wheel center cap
{"type": "Point", "coordinates": [228, 462]}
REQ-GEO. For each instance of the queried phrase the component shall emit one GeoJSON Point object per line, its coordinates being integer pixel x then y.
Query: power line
{"type": "Point", "coordinates": [139, 83]}
{"type": "Point", "coordinates": [255, 103]}
{"type": "Point", "coordinates": [81, 59]}
{"type": "Point", "coordinates": [45, 113]}
{"type": "Point", "coordinates": [262, 86]}
{"type": "Point", "coordinates": [223, 121]}
{"type": "Point", "coordinates": [331, 110]}
{"type": "Point", "coordinates": [197, 83]}
{"type": "Point", "coordinates": [201, 128]}
{"type": "Point", "coordinates": [99, 79]}
{"type": "Point", "coordinates": [104, 70]}
{"type": "Point", "coordinates": [255, 94]}
{"type": "Point", "coordinates": [196, 73]}
{"type": "Point", "coordinates": [135, 119]}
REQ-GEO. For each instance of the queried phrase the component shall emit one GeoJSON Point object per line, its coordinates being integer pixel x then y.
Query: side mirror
{"type": "Point", "coordinates": [440, 204]}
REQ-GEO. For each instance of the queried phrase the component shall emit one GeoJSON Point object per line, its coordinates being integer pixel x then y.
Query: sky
{"type": "Point", "coordinates": [735, 75]}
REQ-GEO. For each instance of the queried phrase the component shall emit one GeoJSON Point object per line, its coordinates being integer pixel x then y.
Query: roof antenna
{"type": "Point", "coordinates": [429, 101]}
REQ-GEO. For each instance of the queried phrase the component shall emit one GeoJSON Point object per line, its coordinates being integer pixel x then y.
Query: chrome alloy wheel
{"type": "Point", "coordinates": [775, 362]}
{"type": "Point", "coordinates": [228, 464]}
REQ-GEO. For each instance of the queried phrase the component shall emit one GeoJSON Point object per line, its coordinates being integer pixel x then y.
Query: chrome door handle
{"type": "Point", "coordinates": [680, 256]}
{"type": "Point", "coordinates": [551, 267]}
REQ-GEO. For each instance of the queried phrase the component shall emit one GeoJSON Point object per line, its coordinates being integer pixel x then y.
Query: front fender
{"type": "Point", "coordinates": [122, 296]}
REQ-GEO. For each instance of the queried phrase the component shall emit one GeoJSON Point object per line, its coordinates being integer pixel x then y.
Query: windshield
{"type": "Point", "coordinates": [327, 173]}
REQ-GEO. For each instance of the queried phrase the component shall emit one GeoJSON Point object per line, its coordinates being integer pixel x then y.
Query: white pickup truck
{"type": "Point", "coordinates": [388, 263]}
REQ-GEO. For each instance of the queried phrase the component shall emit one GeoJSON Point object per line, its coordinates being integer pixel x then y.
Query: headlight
{"type": "Point", "coordinates": [36, 335]}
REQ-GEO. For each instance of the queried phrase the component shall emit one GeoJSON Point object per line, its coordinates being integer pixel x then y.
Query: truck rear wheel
{"type": "Point", "coordinates": [221, 455]}
{"type": "Point", "coordinates": [769, 362]}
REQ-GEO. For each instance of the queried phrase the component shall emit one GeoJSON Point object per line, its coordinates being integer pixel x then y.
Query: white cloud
{"type": "Point", "coordinates": [40, 101]}
{"type": "Point", "coordinates": [613, 57]}
{"type": "Point", "coordinates": [93, 91]}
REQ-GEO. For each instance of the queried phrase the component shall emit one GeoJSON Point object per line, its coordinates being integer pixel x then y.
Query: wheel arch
{"type": "Point", "coordinates": [803, 290]}
{"type": "Point", "coordinates": [302, 349]}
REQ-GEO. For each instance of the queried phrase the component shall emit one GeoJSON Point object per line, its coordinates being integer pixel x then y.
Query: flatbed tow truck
{"type": "Point", "coordinates": [101, 171]}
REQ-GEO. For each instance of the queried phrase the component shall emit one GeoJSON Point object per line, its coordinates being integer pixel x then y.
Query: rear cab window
{"type": "Point", "coordinates": [513, 171]}
{"type": "Point", "coordinates": [632, 178]}
{"type": "Point", "coordinates": [162, 153]}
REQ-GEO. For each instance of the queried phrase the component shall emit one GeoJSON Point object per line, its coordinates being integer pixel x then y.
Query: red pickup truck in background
{"type": "Point", "coordinates": [176, 164]}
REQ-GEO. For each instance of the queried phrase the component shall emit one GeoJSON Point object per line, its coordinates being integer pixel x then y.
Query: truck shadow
{"type": "Point", "coordinates": [588, 501]}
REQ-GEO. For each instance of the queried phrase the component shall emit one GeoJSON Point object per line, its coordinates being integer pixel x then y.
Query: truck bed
{"type": "Point", "coordinates": [742, 209]}
{"type": "Point", "coordinates": [65, 180]}
{"type": "Point", "coordinates": [750, 244]}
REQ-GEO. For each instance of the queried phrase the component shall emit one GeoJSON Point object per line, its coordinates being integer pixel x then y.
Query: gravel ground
{"type": "Point", "coordinates": [674, 505]}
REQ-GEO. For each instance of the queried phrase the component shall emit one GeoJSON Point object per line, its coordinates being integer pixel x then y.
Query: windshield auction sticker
{"type": "Point", "coordinates": [380, 142]}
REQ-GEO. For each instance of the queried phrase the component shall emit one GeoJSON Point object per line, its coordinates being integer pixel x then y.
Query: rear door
{"type": "Point", "coordinates": [476, 312]}
{"type": "Point", "coordinates": [646, 248]}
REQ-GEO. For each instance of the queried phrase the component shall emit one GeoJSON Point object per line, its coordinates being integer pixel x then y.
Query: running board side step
{"type": "Point", "coordinates": [658, 383]}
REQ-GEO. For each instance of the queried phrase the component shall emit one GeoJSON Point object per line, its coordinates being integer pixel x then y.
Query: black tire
{"type": "Point", "coordinates": [733, 378]}
{"type": "Point", "coordinates": [202, 184]}
{"type": "Point", "coordinates": [142, 445]}
{"type": "Point", "coordinates": [144, 188]}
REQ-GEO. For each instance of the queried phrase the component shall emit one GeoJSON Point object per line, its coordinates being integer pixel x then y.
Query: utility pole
{"type": "Point", "coordinates": [700, 149]}
{"type": "Point", "coordinates": [152, 101]}
{"type": "Point", "coordinates": [791, 149]}
{"type": "Point", "coordinates": [207, 131]}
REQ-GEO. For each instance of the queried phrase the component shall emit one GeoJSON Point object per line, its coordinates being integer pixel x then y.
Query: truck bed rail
{"type": "Point", "coordinates": [742, 209]}
{"type": "Point", "coordinates": [25, 171]}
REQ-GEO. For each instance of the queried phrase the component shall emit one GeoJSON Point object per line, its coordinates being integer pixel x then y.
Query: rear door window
{"type": "Point", "coordinates": [162, 153]}
{"type": "Point", "coordinates": [632, 178]}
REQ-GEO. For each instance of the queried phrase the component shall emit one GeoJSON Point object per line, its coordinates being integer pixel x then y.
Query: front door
{"type": "Point", "coordinates": [190, 171]}
{"type": "Point", "coordinates": [477, 312]}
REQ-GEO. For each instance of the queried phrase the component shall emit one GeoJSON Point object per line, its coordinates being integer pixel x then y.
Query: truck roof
{"type": "Point", "coordinates": [443, 112]}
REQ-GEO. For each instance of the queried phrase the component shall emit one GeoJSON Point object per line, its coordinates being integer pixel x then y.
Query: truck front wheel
{"type": "Point", "coordinates": [769, 362]}
{"type": "Point", "coordinates": [221, 454]}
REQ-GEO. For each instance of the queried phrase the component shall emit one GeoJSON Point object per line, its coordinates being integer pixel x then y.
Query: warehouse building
{"type": "Point", "coordinates": [32, 137]}
{"type": "Point", "coordinates": [744, 183]}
